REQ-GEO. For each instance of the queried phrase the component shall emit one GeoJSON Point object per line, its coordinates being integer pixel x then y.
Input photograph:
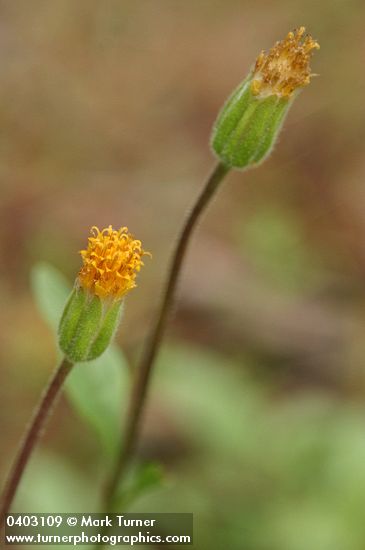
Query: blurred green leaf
{"type": "Point", "coordinates": [142, 479]}
{"type": "Point", "coordinates": [43, 489]}
{"type": "Point", "coordinates": [51, 290]}
{"type": "Point", "coordinates": [259, 472]}
{"type": "Point", "coordinates": [274, 241]}
{"type": "Point", "coordinates": [220, 406]}
{"type": "Point", "coordinates": [97, 389]}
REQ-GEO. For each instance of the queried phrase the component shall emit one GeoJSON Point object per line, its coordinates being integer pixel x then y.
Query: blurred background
{"type": "Point", "coordinates": [257, 410]}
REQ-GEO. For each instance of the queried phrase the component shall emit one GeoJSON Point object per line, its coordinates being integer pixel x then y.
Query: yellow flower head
{"type": "Point", "coordinates": [285, 67]}
{"type": "Point", "coordinates": [111, 262]}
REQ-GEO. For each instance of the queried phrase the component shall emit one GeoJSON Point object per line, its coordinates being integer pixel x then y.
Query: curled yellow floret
{"type": "Point", "coordinates": [285, 67]}
{"type": "Point", "coordinates": [111, 262]}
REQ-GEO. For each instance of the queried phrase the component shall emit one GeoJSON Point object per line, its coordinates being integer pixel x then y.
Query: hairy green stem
{"type": "Point", "coordinates": [36, 426]}
{"type": "Point", "coordinates": [143, 371]}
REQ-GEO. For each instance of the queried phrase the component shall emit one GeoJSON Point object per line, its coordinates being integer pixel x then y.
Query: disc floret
{"type": "Point", "coordinates": [111, 262]}
{"type": "Point", "coordinates": [285, 68]}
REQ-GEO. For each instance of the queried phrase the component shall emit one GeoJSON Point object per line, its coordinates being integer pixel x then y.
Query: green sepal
{"type": "Point", "coordinates": [87, 325]}
{"type": "Point", "coordinates": [271, 129]}
{"type": "Point", "coordinates": [108, 327]}
{"type": "Point", "coordinates": [70, 318]}
{"type": "Point", "coordinates": [86, 331]}
{"type": "Point", "coordinates": [247, 127]}
{"type": "Point", "coordinates": [230, 115]}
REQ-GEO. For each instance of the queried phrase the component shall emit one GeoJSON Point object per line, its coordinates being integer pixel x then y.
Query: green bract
{"type": "Point", "coordinates": [247, 126]}
{"type": "Point", "coordinates": [87, 325]}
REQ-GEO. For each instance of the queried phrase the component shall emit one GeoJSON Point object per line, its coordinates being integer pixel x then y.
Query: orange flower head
{"type": "Point", "coordinates": [111, 262]}
{"type": "Point", "coordinates": [285, 68]}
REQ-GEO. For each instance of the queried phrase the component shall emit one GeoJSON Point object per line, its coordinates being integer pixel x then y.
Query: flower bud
{"type": "Point", "coordinates": [249, 123]}
{"type": "Point", "coordinates": [93, 311]}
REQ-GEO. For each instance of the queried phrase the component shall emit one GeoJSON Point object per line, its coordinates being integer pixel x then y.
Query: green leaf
{"type": "Point", "coordinates": [142, 479]}
{"type": "Point", "coordinates": [43, 489]}
{"type": "Point", "coordinates": [276, 245]}
{"type": "Point", "coordinates": [51, 290]}
{"type": "Point", "coordinates": [97, 389]}
{"type": "Point", "coordinates": [44, 482]}
{"type": "Point", "coordinates": [220, 409]}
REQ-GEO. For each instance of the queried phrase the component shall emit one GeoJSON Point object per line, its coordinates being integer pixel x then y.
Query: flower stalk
{"type": "Point", "coordinates": [144, 369]}
{"type": "Point", "coordinates": [36, 427]}
{"type": "Point", "coordinates": [243, 135]}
